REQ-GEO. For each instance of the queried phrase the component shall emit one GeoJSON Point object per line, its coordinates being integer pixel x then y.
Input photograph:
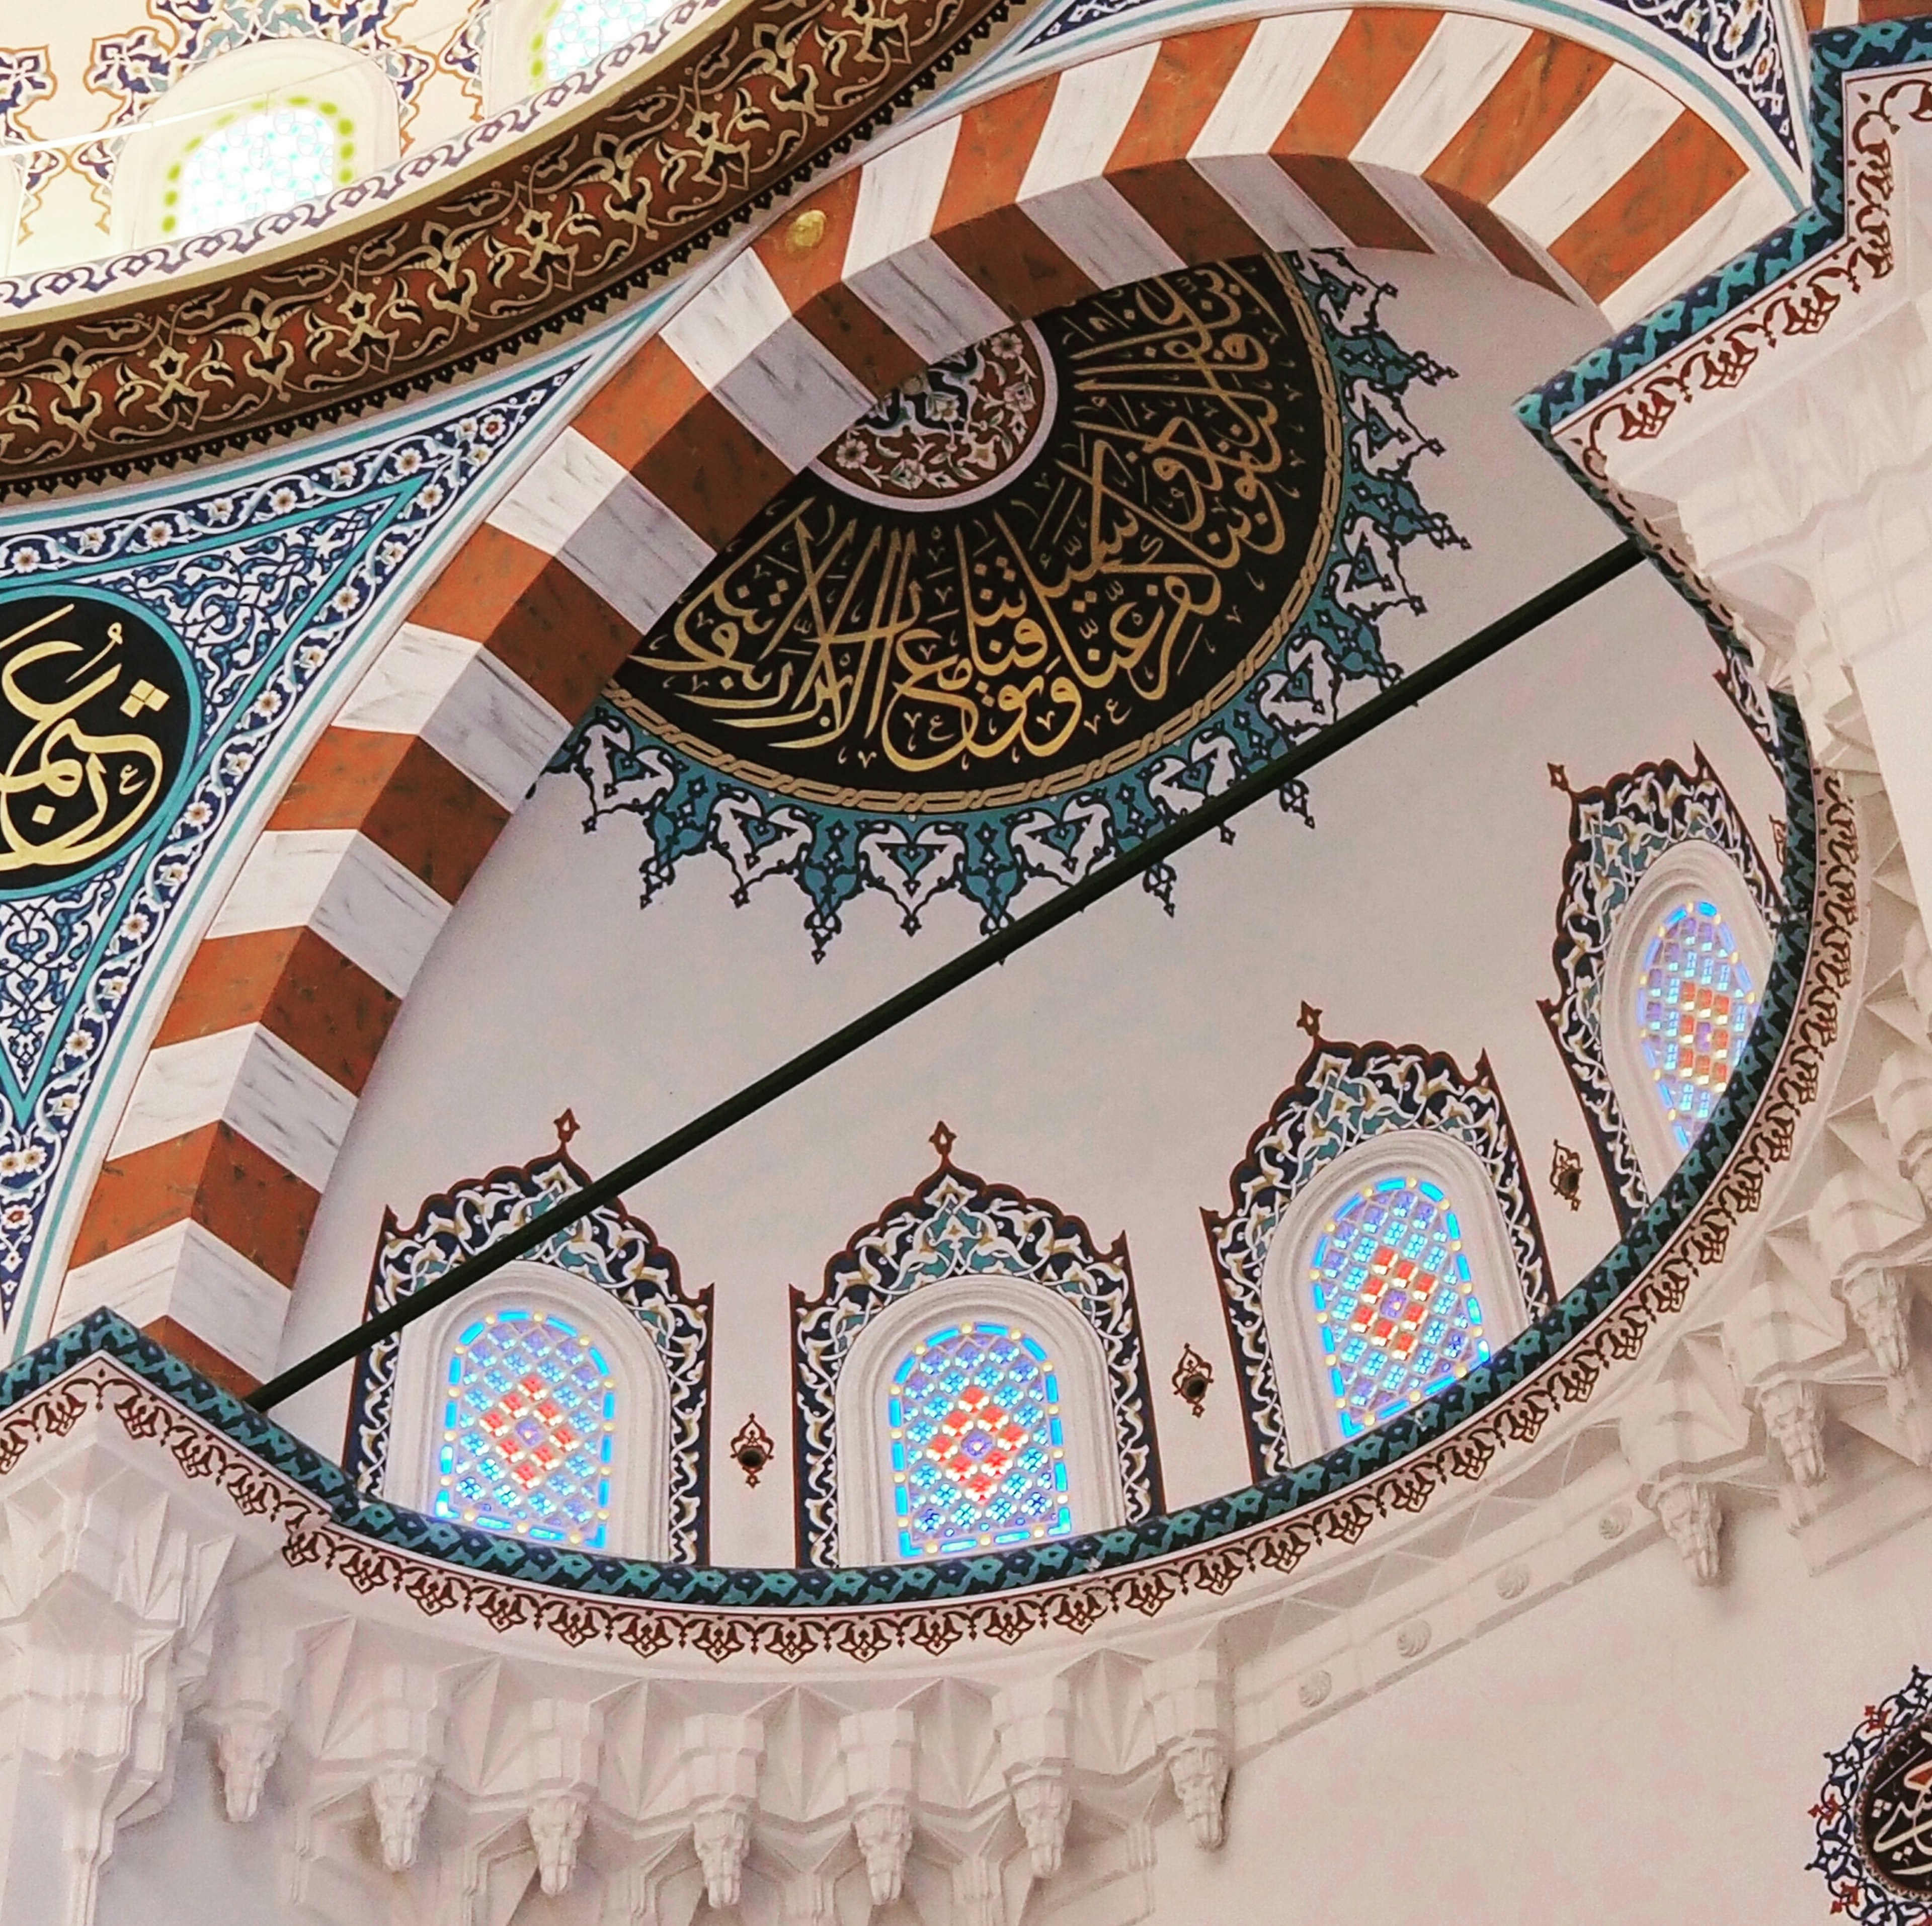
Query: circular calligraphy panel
{"type": "Point", "coordinates": [1053, 555]}
{"type": "Point", "coordinates": [1895, 1813]}
{"type": "Point", "coordinates": [96, 715]}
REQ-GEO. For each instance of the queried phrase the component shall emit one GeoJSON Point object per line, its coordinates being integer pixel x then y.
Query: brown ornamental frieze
{"type": "Point", "coordinates": [752, 107]}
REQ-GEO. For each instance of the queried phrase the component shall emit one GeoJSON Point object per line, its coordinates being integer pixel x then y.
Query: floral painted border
{"type": "Point", "coordinates": [1616, 832]}
{"type": "Point", "coordinates": [1346, 1094]}
{"type": "Point", "coordinates": [957, 1225]}
{"type": "Point", "coordinates": [990, 856]}
{"type": "Point", "coordinates": [610, 1249]}
{"type": "Point", "coordinates": [1857, 1893]}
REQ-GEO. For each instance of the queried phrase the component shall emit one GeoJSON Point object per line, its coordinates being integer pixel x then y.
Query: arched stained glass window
{"type": "Point", "coordinates": [581, 31]}
{"type": "Point", "coordinates": [529, 1419]}
{"type": "Point", "coordinates": [1395, 1304]}
{"type": "Point", "coordinates": [979, 1457]}
{"type": "Point", "coordinates": [1695, 1002]}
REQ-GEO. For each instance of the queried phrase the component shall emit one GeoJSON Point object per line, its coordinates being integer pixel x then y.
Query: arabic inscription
{"type": "Point", "coordinates": [1895, 1813]}
{"type": "Point", "coordinates": [1038, 561]}
{"type": "Point", "coordinates": [95, 713]}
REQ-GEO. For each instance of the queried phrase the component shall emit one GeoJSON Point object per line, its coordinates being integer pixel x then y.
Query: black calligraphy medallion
{"type": "Point", "coordinates": [1894, 1814]}
{"type": "Point", "coordinates": [1030, 567]}
{"type": "Point", "coordinates": [96, 715]}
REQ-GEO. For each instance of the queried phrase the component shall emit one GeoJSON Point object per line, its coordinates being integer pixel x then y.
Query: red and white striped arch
{"type": "Point", "coordinates": [1379, 128]}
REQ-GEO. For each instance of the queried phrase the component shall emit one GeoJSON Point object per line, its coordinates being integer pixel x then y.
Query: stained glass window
{"type": "Point", "coordinates": [581, 31]}
{"type": "Point", "coordinates": [1394, 1302]}
{"type": "Point", "coordinates": [530, 1421]}
{"type": "Point", "coordinates": [978, 1451]}
{"type": "Point", "coordinates": [1694, 1006]}
{"type": "Point", "coordinates": [256, 163]}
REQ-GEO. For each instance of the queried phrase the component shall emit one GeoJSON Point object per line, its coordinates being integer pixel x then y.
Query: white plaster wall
{"type": "Point", "coordinates": [1636, 1753]}
{"type": "Point", "coordinates": [1117, 1067]}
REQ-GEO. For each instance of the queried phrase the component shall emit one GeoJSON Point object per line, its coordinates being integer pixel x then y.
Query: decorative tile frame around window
{"type": "Point", "coordinates": [610, 1248]}
{"type": "Point", "coordinates": [1344, 1096]}
{"type": "Point", "coordinates": [955, 1228]}
{"type": "Point", "coordinates": [1618, 833]}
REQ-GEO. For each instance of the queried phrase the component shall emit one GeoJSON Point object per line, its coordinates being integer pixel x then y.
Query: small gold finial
{"type": "Point", "coordinates": [1566, 1175]}
{"type": "Point", "coordinates": [806, 231]}
{"type": "Point", "coordinates": [942, 1140]}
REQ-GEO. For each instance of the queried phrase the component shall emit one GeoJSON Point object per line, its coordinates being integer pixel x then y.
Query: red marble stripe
{"type": "Point", "coordinates": [1547, 82]}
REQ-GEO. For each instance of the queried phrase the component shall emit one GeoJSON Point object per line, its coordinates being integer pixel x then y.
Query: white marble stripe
{"type": "Point", "coordinates": [794, 395]}
{"type": "Point", "coordinates": [184, 1272]}
{"type": "Point", "coordinates": [1107, 239]}
{"type": "Point", "coordinates": [248, 1077]}
{"type": "Point", "coordinates": [1747, 212]}
{"type": "Point", "coordinates": [727, 321]}
{"type": "Point", "coordinates": [927, 299]}
{"type": "Point", "coordinates": [557, 493]}
{"type": "Point", "coordinates": [1274, 205]}
{"type": "Point", "coordinates": [1274, 73]}
{"type": "Point", "coordinates": [899, 194]}
{"type": "Point", "coordinates": [1451, 77]}
{"type": "Point", "coordinates": [636, 555]}
{"type": "Point", "coordinates": [474, 711]}
{"type": "Point", "coordinates": [356, 896]}
{"type": "Point", "coordinates": [1092, 105]}
{"type": "Point", "coordinates": [1616, 125]}
{"type": "Point", "coordinates": [1433, 220]}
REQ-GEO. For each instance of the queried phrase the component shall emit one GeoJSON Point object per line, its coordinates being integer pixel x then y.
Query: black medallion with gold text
{"type": "Point", "coordinates": [96, 717]}
{"type": "Point", "coordinates": [1895, 1816]}
{"type": "Point", "coordinates": [1029, 567]}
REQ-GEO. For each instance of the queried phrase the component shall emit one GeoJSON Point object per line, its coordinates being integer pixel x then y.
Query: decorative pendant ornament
{"type": "Point", "coordinates": [1191, 1377]}
{"type": "Point", "coordinates": [752, 1448]}
{"type": "Point", "coordinates": [1566, 1175]}
{"type": "Point", "coordinates": [1874, 1815]}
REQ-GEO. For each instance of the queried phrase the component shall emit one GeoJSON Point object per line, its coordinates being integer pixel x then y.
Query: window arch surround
{"type": "Point", "coordinates": [639, 1472]}
{"type": "Point", "coordinates": [348, 88]}
{"type": "Point", "coordinates": [960, 1247]}
{"type": "Point", "coordinates": [1095, 1498]}
{"type": "Point", "coordinates": [1694, 872]}
{"type": "Point", "coordinates": [610, 1262]}
{"type": "Point", "coordinates": [1349, 1103]}
{"type": "Point", "coordinates": [1310, 1419]}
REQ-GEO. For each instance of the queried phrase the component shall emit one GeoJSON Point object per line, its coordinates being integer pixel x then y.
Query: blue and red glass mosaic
{"type": "Point", "coordinates": [1398, 1311]}
{"type": "Point", "coordinates": [979, 1457]}
{"type": "Point", "coordinates": [1694, 1008]}
{"type": "Point", "coordinates": [528, 1430]}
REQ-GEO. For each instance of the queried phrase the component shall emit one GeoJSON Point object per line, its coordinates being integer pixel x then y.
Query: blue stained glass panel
{"type": "Point", "coordinates": [1694, 1009]}
{"type": "Point", "coordinates": [529, 1422]}
{"type": "Point", "coordinates": [1393, 1300]}
{"type": "Point", "coordinates": [978, 1458]}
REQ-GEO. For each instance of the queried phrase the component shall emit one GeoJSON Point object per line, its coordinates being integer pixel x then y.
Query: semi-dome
{"type": "Point", "coordinates": [953, 951]}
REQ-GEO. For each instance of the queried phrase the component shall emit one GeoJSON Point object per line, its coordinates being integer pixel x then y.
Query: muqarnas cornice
{"type": "Point", "coordinates": [1617, 832]}
{"type": "Point", "coordinates": [956, 1226]}
{"type": "Point", "coordinates": [751, 107]}
{"type": "Point", "coordinates": [610, 1248]}
{"type": "Point", "coordinates": [1344, 1095]}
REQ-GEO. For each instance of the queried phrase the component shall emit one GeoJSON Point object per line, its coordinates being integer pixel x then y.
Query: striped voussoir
{"type": "Point", "coordinates": [1389, 127]}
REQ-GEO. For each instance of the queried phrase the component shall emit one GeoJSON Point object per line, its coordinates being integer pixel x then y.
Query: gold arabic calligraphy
{"type": "Point", "coordinates": [1134, 574]}
{"type": "Point", "coordinates": [86, 732]}
{"type": "Point", "coordinates": [1898, 1818]}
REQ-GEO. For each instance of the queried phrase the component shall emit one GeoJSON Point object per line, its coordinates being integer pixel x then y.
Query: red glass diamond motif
{"type": "Point", "coordinates": [529, 1429]}
{"type": "Point", "coordinates": [976, 1443]}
